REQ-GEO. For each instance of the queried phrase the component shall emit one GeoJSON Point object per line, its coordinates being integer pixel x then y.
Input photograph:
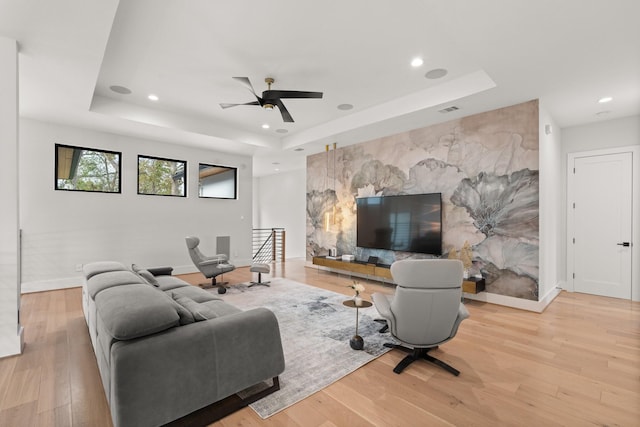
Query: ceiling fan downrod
{"type": "Point", "coordinates": [268, 81]}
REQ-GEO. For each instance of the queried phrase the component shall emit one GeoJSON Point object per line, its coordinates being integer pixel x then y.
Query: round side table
{"type": "Point", "coordinates": [356, 342]}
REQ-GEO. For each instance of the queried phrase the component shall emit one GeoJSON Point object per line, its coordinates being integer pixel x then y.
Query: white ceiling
{"type": "Point", "coordinates": [567, 53]}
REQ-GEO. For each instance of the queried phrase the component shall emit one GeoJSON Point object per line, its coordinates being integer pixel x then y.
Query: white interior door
{"type": "Point", "coordinates": [602, 217]}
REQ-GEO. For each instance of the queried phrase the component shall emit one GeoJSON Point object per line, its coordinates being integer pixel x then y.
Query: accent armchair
{"type": "Point", "coordinates": [426, 309]}
{"type": "Point", "coordinates": [210, 266]}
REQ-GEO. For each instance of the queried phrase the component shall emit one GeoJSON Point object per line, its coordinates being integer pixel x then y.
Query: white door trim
{"type": "Point", "coordinates": [635, 222]}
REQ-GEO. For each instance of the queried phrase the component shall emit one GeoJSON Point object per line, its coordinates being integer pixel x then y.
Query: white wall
{"type": "Point", "coordinates": [550, 205]}
{"type": "Point", "coordinates": [62, 229]}
{"type": "Point", "coordinates": [281, 201]}
{"type": "Point", "coordinates": [606, 134]}
{"type": "Point", "coordinates": [11, 332]}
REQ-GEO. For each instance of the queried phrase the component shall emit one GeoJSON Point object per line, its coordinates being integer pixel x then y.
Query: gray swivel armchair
{"type": "Point", "coordinates": [426, 309]}
{"type": "Point", "coordinates": [210, 266]}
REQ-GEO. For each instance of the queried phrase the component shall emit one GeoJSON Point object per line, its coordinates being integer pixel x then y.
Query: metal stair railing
{"type": "Point", "coordinates": [268, 245]}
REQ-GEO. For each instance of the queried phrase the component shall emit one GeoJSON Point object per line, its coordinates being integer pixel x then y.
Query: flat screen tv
{"type": "Point", "coordinates": [409, 223]}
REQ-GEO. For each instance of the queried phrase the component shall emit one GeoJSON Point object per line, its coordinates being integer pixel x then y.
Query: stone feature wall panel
{"type": "Point", "coordinates": [486, 167]}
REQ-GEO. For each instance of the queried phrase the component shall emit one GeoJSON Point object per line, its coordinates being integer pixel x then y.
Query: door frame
{"type": "Point", "coordinates": [635, 214]}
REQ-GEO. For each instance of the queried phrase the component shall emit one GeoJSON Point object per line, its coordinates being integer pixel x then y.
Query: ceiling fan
{"type": "Point", "coordinates": [273, 98]}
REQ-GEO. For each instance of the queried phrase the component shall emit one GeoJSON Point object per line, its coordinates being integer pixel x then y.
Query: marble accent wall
{"type": "Point", "coordinates": [485, 166]}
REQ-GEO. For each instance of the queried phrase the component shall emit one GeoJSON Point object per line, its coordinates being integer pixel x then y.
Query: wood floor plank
{"type": "Point", "coordinates": [575, 364]}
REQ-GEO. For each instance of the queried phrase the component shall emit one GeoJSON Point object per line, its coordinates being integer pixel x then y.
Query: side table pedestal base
{"type": "Point", "coordinates": [356, 343]}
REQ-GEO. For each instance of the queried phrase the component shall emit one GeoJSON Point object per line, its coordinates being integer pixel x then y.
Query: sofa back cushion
{"type": "Point", "coordinates": [109, 279]}
{"type": "Point", "coordinates": [93, 268]}
{"type": "Point", "coordinates": [135, 311]}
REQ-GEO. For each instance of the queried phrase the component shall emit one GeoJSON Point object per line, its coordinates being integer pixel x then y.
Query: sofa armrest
{"type": "Point", "coordinates": [213, 261]}
{"type": "Point", "coordinates": [162, 377]}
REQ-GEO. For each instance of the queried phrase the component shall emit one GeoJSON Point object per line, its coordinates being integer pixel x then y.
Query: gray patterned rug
{"type": "Point", "coordinates": [316, 328]}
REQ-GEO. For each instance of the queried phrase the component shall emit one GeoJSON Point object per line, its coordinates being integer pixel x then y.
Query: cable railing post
{"type": "Point", "coordinates": [273, 244]}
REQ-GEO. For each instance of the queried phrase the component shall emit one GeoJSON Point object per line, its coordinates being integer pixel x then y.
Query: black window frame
{"type": "Point", "coordinates": [56, 177]}
{"type": "Point", "coordinates": [235, 181]}
{"type": "Point", "coordinates": [163, 159]}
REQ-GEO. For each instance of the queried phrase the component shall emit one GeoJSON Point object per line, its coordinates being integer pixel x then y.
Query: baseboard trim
{"type": "Point", "coordinates": [523, 304]}
{"type": "Point", "coordinates": [51, 285]}
{"type": "Point", "coordinates": [11, 346]}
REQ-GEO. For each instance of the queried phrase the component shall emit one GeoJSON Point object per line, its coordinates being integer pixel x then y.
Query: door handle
{"type": "Point", "coordinates": [625, 244]}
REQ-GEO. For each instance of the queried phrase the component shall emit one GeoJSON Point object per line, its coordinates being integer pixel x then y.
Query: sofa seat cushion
{"type": "Point", "coordinates": [135, 311]}
{"type": "Point", "coordinates": [94, 268]}
{"type": "Point", "coordinates": [194, 293]}
{"type": "Point", "coordinates": [208, 309]}
{"type": "Point", "coordinates": [166, 283]}
{"type": "Point", "coordinates": [109, 279]}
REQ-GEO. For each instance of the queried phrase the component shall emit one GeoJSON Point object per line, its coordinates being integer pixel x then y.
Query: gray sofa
{"type": "Point", "coordinates": [166, 349]}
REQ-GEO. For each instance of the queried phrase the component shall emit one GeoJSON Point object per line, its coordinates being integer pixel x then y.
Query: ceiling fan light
{"type": "Point", "coordinates": [268, 106]}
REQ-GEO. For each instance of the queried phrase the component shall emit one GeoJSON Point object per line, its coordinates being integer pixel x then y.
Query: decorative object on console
{"type": "Point", "coordinates": [348, 258]}
{"type": "Point", "coordinates": [465, 255]}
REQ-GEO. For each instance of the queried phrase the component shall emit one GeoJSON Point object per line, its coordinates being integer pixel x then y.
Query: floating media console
{"type": "Point", "coordinates": [359, 267]}
{"type": "Point", "coordinates": [381, 272]}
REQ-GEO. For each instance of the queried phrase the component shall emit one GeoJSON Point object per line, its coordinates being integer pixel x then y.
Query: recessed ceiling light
{"type": "Point", "coordinates": [153, 97]}
{"type": "Point", "coordinates": [345, 107]}
{"type": "Point", "coordinates": [602, 113]}
{"type": "Point", "coordinates": [417, 62]}
{"type": "Point", "coordinates": [436, 73]}
{"type": "Point", "coordinates": [120, 89]}
{"type": "Point", "coordinates": [265, 126]}
{"type": "Point", "coordinates": [275, 163]}
{"type": "Point", "coordinates": [298, 149]}
{"type": "Point", "coordinates": [282, 130]}
{"type": "Point", "coordinates": [605, 99]}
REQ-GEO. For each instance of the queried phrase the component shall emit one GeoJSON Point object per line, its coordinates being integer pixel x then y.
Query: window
{"type": "Point", "coordinates": [162, 177]}
{"type": "Point", "coordinates": [217, 182]}
{"type": "Point", "coordinates": [87, 169]}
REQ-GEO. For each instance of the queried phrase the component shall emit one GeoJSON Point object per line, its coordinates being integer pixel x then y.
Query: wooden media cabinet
{"type": "Point", "coordinates": [382, 272]}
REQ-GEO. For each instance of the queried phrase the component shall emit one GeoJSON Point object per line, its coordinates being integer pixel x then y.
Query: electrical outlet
{"type": "Point", "coordinates": [79, 267]}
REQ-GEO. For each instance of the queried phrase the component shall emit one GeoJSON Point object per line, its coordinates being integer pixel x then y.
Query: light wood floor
{"type": "Point", "coordinates": [576, 364]}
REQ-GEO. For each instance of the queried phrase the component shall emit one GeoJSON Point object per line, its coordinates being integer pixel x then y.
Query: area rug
{"type": "Point", "coordinates": [315, 328]}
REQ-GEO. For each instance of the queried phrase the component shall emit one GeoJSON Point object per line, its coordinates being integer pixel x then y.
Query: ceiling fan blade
{"type": "Point", "coordinates": [244, 81]}
{"type": "Point", "coordinates": [224, 105]}
{"type": "Point", "coordinates": [283, 110]}
{"type": "Point", "coordinates": [274, 94]}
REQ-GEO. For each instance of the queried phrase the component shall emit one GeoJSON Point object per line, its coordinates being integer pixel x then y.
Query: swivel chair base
{"type": "Point", "coordinates": [419, 353]}
{"type": "Point", "coordinates": [222, 289]}
{"type": "Point", "coordinates": [385, 326]}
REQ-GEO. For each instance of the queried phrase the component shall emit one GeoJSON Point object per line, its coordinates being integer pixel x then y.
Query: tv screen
{"type": "Point", "coordinates": [409, 223]}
